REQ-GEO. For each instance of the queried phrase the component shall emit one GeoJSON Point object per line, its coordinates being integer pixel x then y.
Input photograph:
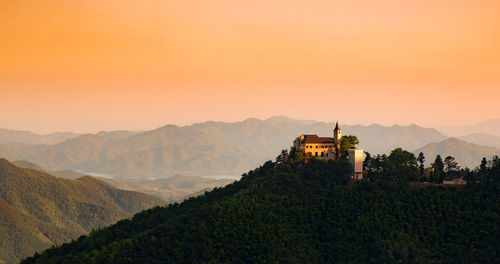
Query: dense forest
{"type": "Point", "coordinates": [302, 210]}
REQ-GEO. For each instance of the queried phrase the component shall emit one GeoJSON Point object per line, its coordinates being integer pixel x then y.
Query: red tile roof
{"type": "Point", "coordinates": [308, 139]}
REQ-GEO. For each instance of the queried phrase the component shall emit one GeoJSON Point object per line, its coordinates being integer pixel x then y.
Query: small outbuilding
{"type": "Point", "coordinates": [455, 178]}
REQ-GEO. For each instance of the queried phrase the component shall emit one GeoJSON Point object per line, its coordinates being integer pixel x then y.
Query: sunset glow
{"type": "Point", "coordinates": [89, 65]}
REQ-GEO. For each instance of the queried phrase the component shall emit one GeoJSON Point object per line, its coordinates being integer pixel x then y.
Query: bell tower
{"type": "Point", "coordinates": [337, 135]}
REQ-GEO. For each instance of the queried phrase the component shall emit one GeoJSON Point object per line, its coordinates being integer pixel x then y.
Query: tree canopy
{"type": "Point", "coordinates": [348, 142]}
{"type": "Point", "coordinates": [293, 211]}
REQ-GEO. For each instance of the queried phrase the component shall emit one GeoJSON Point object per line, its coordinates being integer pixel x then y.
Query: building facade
{"type": "Point", "coordinates": [320, 147]}
{"type": "Point", "coordinates": [328, 148]}
{"type": "Point", "coordinates": [455, 178]}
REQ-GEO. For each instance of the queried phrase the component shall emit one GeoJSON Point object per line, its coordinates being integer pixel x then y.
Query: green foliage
{"type": "Point", "coordinates": [438, 170]}
{"type": "Point", "coordinates": [421, 166]}
{"type": "Point", "coordinates": [488, 172]}
{"type": "Point", "coordinates": [400, 166]}
{"type": "Point", "coordinates": [347, 142]}
{"type": "Point", "coordinates": [300, 210]}
{"type": "Point", "coordinates": [451, 164]}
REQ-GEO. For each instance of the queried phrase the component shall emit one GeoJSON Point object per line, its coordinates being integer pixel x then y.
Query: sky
{"type": "Point", "coordinates": [91, 65]}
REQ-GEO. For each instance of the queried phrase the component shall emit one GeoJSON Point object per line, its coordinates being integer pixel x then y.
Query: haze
{"type": "Point", "coordinates": [88, 65]}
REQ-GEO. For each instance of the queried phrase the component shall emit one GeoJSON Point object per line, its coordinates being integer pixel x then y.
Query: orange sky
{"type": "Point", "coordinates": [89, 65]}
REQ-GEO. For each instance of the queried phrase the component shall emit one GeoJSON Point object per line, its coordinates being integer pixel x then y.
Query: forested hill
{"type": "Point", "coordinates": [38, 210]}
{"type": "Point", "coordinates": [292, 212]}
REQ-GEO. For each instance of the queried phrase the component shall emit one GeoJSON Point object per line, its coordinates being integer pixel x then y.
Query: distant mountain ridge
{"type": "Point", "coordinates": [467, 154]}
{"type": "Point", "coordinates": [482, 139]}
{"type": "Point", "coordinates": [38, 209]}
{"type": "Point", "coordinates": [209, 148]}
{"type": "Point", "coordinates": [491, 127]}
{"type": "Point", "coordinates": [27, 137]}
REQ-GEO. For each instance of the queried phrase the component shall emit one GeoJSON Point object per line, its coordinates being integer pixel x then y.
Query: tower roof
{"type": "Point", "coordinates": [337, 126]}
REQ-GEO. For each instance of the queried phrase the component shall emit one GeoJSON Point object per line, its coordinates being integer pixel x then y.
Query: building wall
{"type": "Point", "coordinates": [455, 182]}
{"type": "Point", "coordinates": [316, 149]}
{"type": "Point", "coordinates": [356, 160]}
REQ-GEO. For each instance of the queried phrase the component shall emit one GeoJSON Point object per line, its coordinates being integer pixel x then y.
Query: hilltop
{"type": "Point", "coordinates": [291, 212]}
{"type": "Point", "coordinates": [40, 210]}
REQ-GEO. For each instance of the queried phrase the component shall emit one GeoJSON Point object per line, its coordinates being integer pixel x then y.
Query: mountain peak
{"type": "Point", "coordinates": [286, 119]}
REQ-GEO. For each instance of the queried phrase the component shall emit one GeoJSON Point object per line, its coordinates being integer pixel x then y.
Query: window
{"type": "Point", "coordinates": [322, 154]}
{"type": "Point", "coordinates": [316, 154]}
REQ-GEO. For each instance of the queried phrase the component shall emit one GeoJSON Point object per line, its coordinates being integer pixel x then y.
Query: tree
{"type": "Point", "coordinates": [348, 142]}
{"type": "Point", "coordinates": [378, 168]}
{"type": "Point", "coordinates": [403, 165]}
{"type": "Point", "coordinates": [438, 167]}
{"type": "Point", "coordinates": [421, 160]}
{"type": "Point", "coordinates": [282, 157]}
{"type": "Point", "coordinates": [495, 169]}
{"type": "Point", "coordinates": [367, 162]}
{"type": "Point", "coordinates": [483, 171]}
{"type": "Point", "coordinates": [451, 164]}
{"type": "Point", "coordinates": [483, 165]}
{"type": "Point", "coordinates": [470, 177]}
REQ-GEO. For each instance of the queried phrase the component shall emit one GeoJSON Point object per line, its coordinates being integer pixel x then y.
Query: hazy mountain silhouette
{"type": "Point", "coordinates": [27, 137]}
{"type": "Point", "coordinates": [467, 154]}
{"type": "Point", "coordinates": [482, 139]}
{"type": "Point", "coordinates": [491, 127]}
{"type": "Point", "coordinates": [38, 209]}
{"type": "Point", "coordinates": [207, 148]}
{"type": "Point", "coordinates": [171, 189]}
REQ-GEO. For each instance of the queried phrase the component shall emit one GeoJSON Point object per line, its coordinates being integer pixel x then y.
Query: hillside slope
{"type": "Point", "coordinates": [467, 154]}
{"type": "Point", "coordinates": [295, 213]}
{"type": "Point", "coordinates": [39, 209]}
{"type": "Point", "coordinates": [209, 148]}
{"type": "Point", "coordinates": [171, 189]}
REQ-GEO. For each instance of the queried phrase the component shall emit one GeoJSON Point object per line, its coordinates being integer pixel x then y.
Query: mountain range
{"type": "Point", "coordinates": [491, 127]}
{"type": "Point", "coordinates": [39, 210]}
{"type": "Point", "coordinates": [467, 154]}
{"type": "Point", "coordinates": [482, 139]}
{"type": "Point", "coordinates": [215, 148]}
{"type": "Point", "coordinates": [209, 148]}
{"type": "Point", "coordinates": [28, 137]}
